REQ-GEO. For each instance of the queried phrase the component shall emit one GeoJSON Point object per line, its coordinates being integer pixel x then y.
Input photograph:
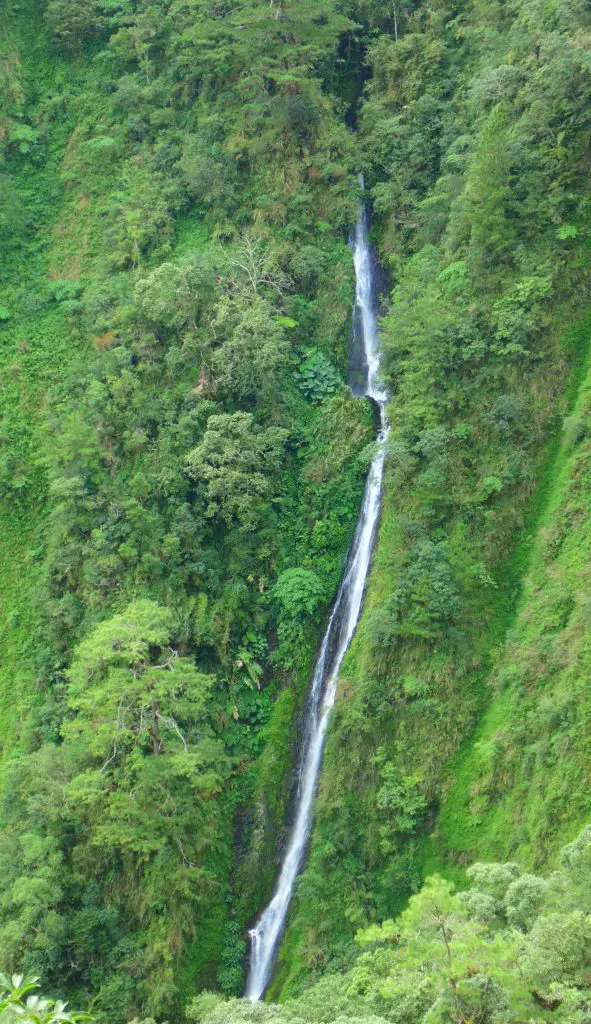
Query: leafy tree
{"type": "Point", "coordinates": [17, 1003]}
{"type": "Point", "coordinates": [139, 215]}
{"type": "Point", "coordinates": [168, 295]}
{"type": "Point", "coordinates": [317, 377]}
{"type": "Point", "coordinates": [299, 592]}
{"type": "Point", "coordinates": [73, 22]}
{"type": "Point", "coordinates": [236, 462]}
{"type": "Point", "coordinates": [489, 193]}
{"type": "Point", "coordinates": [249, 350]}
{"type": "Point", "coordinates": [140, 704]}
{"type": "Point", "coordinates": [13, 96]}
{"type": "Point", "coordinates": [400, 798]}
{"type": "Point", "coordinates": [210, 174]}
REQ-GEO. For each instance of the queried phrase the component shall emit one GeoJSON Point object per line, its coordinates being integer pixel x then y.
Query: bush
{"type": "Point", "coordinates": [299, 592]}
{"type": "Point", "coordinates": [317, 377]}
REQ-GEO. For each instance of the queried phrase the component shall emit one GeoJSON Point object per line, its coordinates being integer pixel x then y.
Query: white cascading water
{"type": "Point", "coordinates": [266, 934]}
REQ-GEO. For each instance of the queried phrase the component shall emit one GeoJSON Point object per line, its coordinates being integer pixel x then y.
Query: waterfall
{"type": "Point", "coordinates": [266, 934]}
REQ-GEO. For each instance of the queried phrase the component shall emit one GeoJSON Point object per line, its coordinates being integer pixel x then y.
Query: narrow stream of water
{"type": "Point", "coordinates": [266, 935]}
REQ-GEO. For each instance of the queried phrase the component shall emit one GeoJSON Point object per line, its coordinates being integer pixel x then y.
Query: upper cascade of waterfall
{"type": "Point", "coordinates": [266, 935]}
{"type": "Point", "coordinates": [365, 304]}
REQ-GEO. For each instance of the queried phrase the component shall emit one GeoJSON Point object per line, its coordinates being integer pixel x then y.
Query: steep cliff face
{"type": "Point", "coordinates": [181, 468]}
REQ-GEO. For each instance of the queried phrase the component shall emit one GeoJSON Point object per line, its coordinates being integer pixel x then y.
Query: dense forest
{"type": "Point", "coordinates": [182, 461]}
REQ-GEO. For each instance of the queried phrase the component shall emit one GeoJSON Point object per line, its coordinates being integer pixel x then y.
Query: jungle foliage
{"type": "Point", "coordinates": [181, 464]}
{"type": "Point", "coordinates": [179, 471]}
{"type": "Point", "coordinates": [513, 946]}
{"type": "Point", "coordinates": [475, 132]}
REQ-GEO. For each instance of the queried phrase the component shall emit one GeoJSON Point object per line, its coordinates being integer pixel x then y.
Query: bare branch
{"type": "Point", "coordinates": [112, 758]}
{"type": "Point", "coordinates": [169, 723]}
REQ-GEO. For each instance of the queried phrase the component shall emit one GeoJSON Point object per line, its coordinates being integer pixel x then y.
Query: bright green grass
{"type": "Point", "coordinates": [498, 824]}
{"type": "Point", "coordinates": [37, 348]}
{"type": "Point", "coordinates": [18, 621]}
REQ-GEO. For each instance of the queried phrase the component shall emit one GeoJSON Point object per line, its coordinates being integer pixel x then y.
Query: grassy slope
{"type": "Point", "coordinates": [521, 786]}
{"type": "Point", "coordinates": [36, 348]}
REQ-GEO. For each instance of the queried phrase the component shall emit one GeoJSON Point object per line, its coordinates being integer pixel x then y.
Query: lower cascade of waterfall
{"type": "Point", "coordinates": [266, 935]}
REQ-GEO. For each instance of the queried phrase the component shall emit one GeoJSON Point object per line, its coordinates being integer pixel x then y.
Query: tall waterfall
{"type": "Point", "coordinates": [266, 935]}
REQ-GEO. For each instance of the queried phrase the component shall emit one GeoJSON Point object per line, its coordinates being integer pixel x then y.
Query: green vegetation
{"type": "Point", "coordinates": [514, 946]}
{"type": "Point", "coordinates": [522, 785]}
{"type": "Point", "coordinates": [181, 465]}
{"type": "Point", "coordinates": [17, 1002]}
{"type": "Point", "coordinates": [483, 222]}
{"type": "Point", "coordinates": [176, 190]}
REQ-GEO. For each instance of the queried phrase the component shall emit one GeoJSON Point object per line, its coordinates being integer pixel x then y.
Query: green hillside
{"type": "Point", "coordinates": [486, 342]}
{"type": "Point", "coordinates": [521, 788]}
{"type": "Point", "coordinates": [181, 467]}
